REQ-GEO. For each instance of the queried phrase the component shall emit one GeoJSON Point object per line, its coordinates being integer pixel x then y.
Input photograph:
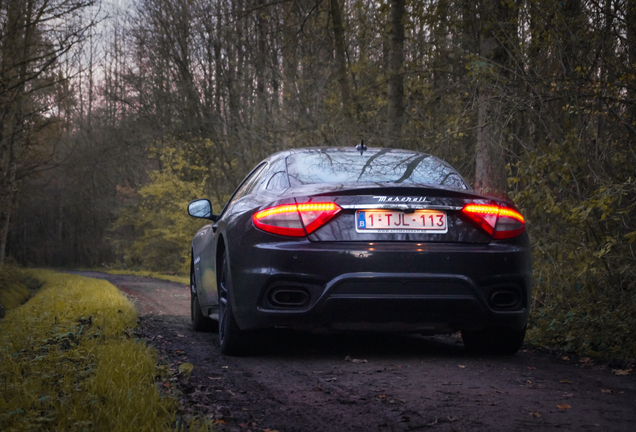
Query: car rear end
{"type": "Point", "coordinates": [371, 255]}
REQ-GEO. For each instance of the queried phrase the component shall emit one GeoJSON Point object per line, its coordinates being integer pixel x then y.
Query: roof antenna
{"type": "Point", "coordinates": [361, 147]}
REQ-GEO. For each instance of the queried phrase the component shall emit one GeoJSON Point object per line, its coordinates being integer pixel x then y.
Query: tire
{"type": "Point", "coordinates": [198, 321]}
{"type": "Point", "coordinates": [493, 340]}
{"type": "Point", "coordinates": [232, 340]}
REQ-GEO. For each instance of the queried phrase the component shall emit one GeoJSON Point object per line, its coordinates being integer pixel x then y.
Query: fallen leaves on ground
{"type": "Point", "coordinates": [621, 371]}
{"type": "Point", "coordinates": [186, 368]}
{"type": "Point", "coordinates": [563, 407]}
{"type": "Point", "coordinates": [606, 391]}
{"type": "Point", "coordinates": [535, 414]}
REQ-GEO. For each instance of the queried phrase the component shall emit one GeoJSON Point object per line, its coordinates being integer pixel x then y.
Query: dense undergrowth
{"type": "Point", "coordinates": [582, 224]}
{"type": "Point", "coordinates": [69, 361]}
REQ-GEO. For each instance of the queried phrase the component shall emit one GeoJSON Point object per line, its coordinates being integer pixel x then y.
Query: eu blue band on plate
{"type": "Point", "coordinates": [361, 221]}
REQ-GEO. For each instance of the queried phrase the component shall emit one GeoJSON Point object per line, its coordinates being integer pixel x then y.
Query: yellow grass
{"type": "Point", "coordinates": [13, 292]}
{"type": "Point", "coordinates": [69, 361]}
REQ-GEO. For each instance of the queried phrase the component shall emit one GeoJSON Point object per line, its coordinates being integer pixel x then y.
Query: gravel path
{"type": "Point", "coordinates": [376, 382]}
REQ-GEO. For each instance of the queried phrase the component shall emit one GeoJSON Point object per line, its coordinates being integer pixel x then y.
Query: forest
{"type": "Point", "coordinates": [113, 116]}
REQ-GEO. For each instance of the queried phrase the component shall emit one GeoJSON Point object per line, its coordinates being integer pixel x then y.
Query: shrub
{"type": "Point", "coordinates": [582, 226]}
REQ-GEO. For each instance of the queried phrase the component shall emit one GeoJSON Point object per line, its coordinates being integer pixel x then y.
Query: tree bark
{"type": "Point", "coordinates": [341, 65]}
{"type": "Point", "coordinates": [496, 36]}
{"type": "Point", "coordinates": [631, 32]}
{"type": "Point", "coordinates": [290, 62]}
{"type": "Point", "coordinates": [631, 52]}
{"type": "Point", "coordinates": [261, 55]}
{"type": "Point", "coordinates": [395, 105]}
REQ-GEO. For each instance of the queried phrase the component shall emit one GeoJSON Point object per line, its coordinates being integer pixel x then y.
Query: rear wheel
{"type": "Point", "coordinates": [232, 340]}
{"type": "Point", "coordinates": [198, 321]}
{"type": "Point", "coordinates": [494, 340]}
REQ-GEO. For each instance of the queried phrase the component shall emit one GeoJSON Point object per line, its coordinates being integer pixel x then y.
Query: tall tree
{"type": "Point", "coordinates": [341, 64]}
{"type": "Point", "coordinates": [30, 50]}
{"type": "Point", "coordinates": [496, 48]}
{"type": "Point", "coordinates": [395, 105]}
{"type": "Point", "coordinates": [630, 20]}
{"type": "Point", "coordinates": [289, 52]}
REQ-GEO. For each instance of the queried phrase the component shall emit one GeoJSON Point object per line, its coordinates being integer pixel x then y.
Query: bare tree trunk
{"type": "Point", "coordinates": [12, 66]}
{"type": "Point", "coordinates": [631, 32]}
{"type": "Point", "coordinates": [290, 62]}
{"type": "Point", "coordinates": [91, 82]}
{"type": "Point", "coordinates": [631, 51]}
{"type": "Point", "coordinates": [490, 173]}
{"type": "Point", "coordinates": [341, 65]}
{"type": "Point", "coordinates": [261, 54]}
{"type": "Point", "coordinates": [7, 200]}
{"type": "Point", "coordinates": [496, 37]}
{"type": "Point", "coordinates": [469, 25]}
{"type": "Point", "coordinates": [395, 105]}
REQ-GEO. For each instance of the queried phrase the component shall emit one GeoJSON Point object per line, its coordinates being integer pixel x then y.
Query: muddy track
{"type": "Point", "coordinates": [302, 382]}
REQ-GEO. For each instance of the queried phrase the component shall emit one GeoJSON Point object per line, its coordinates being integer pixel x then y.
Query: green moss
{"type": "Point", "coordinates": [69, 361]}
{"type": "Point", "coordinates": [14, 289]}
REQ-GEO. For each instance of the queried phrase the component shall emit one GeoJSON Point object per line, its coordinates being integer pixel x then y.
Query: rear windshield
{"type": "Point", "coordinates": [381, 166]}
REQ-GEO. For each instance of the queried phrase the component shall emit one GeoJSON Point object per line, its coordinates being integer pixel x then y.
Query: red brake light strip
{"type": "Point", "coordinates": [311, 216]}
{"type": "Point", "coordinates": [494, 211]}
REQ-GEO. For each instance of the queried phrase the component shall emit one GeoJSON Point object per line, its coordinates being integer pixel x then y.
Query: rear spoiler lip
{"type": "Point", "coordinates": [331, 189]}
{"type": "Point", "coordinates": [396, 206]}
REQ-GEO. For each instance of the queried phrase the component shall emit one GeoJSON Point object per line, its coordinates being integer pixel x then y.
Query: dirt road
{"type": "Point", "coordinates": [377, 382]}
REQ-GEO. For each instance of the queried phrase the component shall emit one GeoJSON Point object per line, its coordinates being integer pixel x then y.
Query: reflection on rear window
{"type": "Point", "coordinates": [381, 166]}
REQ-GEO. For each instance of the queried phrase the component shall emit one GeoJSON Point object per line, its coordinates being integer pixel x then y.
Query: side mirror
{"type": "Point", "coordinates": [200, 208]}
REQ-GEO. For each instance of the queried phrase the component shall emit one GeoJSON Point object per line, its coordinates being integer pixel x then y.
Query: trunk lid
{"type": "Point", "coordinates": [417, 209]}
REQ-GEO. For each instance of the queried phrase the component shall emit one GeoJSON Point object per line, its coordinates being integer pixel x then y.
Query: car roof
{"type": "Point", "coordinates": [289, 152]}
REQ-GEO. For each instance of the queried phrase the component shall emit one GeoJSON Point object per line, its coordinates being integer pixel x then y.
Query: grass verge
{"type": "Point", "coordinates": [69, 361]}
{"type": "Point", "coordinates": [14, 288]}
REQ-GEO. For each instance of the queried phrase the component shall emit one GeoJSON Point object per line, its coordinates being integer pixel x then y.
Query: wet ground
{"type": "Point", "coordinates": [378, 382]}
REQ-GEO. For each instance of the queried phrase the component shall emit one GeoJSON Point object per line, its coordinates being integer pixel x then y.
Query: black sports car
{"type": "Point", "coordinates": [346, 239]}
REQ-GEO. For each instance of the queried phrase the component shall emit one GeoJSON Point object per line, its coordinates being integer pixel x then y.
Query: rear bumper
{"type": "Point", "coordinates": [374, 286]}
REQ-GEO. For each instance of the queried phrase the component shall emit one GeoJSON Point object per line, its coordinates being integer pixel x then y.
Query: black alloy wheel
{"type": "Point", "coordinates": [232, 340]}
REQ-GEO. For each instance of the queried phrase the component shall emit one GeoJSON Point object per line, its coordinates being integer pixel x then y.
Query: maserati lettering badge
{"type": "Point", "coordinates": [400, 199]}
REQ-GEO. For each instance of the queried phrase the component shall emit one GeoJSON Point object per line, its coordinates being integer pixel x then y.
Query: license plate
{"type": "Point", "coordinates": [391, 221]}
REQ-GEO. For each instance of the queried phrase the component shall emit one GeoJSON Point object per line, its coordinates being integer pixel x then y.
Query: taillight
{"type": "Point", "coordinates": [499, 222]}
{"type": "Point", "coordinates": [295, 220]}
